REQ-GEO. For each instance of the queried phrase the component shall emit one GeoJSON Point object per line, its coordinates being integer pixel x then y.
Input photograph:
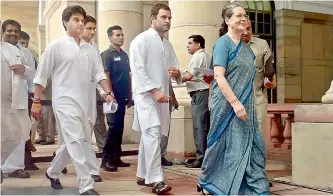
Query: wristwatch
{"type": "Point", "coordinates": [34, 99]}
{"type": "Point", "coordinates": [110, 93]}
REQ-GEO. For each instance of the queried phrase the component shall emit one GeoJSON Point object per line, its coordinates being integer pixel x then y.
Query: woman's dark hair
{"type": "Point", "coordinates": [227, 12]}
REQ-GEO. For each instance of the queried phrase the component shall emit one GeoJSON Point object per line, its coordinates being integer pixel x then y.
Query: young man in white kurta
{"type": "Point", "coordinates": [87, 35]}
{"type": "Point", "coordinates": [14, 100]}
{"type": "Point", "coordinates": [73, 64]}
{"type": "Point", "coordinates": [151, 58]}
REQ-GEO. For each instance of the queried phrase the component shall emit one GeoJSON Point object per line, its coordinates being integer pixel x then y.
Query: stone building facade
{"type": "Point", "coordinates": [300, 34]}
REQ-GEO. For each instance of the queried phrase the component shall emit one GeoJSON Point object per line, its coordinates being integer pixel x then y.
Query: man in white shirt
{"type": "Point", "coordinates": [153, 61]}
{"type": "Point", "coordinates": [73, 64]}
{"type": "Point", "coordinates": [15, 164]}
{"type": "Point", "coordinates": [199, 92]}
{"type": "Point", "coordinates": [14, 97]}
{"type": "Point", "coordinates": [88, 35]}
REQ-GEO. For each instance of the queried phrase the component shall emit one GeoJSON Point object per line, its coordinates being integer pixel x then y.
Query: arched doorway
{"type": "Point", "coordinates": [261, 13]}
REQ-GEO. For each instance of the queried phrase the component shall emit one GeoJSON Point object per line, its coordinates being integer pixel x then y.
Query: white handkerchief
{"type": "Point", "coordinates": [207, 72]}
{"type": "Point", "coordinates": [110, 107]}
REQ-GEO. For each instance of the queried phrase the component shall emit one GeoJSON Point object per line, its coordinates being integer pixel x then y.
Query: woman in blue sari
{"type": "Point", "coordinates": [235, 161]}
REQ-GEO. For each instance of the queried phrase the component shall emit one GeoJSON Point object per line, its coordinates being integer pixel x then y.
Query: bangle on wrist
{"type": "Point", "coordinates": [36, 104]}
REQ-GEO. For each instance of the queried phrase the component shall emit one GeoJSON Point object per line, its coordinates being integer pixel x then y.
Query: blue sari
{"type": "Point", "coordinates": [234, 161]}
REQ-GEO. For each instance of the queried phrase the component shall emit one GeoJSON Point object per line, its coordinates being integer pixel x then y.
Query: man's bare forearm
{"type": "Point", "coordinates": [106, 85]}
{"type": "Point", "coordinates": [38, 91]}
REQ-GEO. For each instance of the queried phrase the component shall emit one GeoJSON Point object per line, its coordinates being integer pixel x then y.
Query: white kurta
{"type": "Point", "coordinates": [28, 59]}
{"type": "Point", "coordinates": [93, 86]}
{"type": "Point", "coordinates": [150, 58]}
{"type": "Point", "coordinates": [73, 68]}
{"type": "Point", "coordinates": [14, 95]}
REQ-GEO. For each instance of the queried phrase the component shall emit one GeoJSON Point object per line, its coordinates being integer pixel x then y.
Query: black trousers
{"type": "Point", "coordinates": [112, 147]}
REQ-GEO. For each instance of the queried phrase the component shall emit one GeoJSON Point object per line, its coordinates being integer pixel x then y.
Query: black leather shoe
{"type": "Point", "coordinates": [55, 183]}
{"type": "Point", "coordinates": [195, 164]}
{"type": "Point", "coordinates": [97, 178]}
{"type": "Point", "coordinates": [120, 163]}
{"type": "Point", "coordinates": [90, 192]}
{"type": "Point", "coordinates": [165, 162]}
{"type": "Point", "coordinates": [110, 167]}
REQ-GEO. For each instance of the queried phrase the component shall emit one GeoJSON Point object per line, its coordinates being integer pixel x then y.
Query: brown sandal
{"type": "Point", "coordinates": [161, 188]}
{"type": "Point", "coordinates": [142, 183]}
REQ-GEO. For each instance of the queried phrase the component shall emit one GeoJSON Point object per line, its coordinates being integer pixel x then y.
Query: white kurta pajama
{"type": "Point", "coordinates": [73, 67]}
{"type": "Point", "coordinates": [91, 156]}
{"type": "Point", "coordinates": [150, 58]}
{"type": "Point", "coordinates": [14, 101]}
{"type": "Point", "coordinates": [15, 160]}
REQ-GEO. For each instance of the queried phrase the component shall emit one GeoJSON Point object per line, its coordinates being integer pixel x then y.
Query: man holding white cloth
{"type": "Point", "coordinates": [153, 61]}
{"type": "Point", "coordinates": [14, 99]}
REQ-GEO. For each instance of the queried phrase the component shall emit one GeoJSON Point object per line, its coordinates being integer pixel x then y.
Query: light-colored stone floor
{"type": "Point", "coordinates": [123, 182]}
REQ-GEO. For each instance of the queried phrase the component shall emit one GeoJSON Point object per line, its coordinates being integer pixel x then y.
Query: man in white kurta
{"type": "Point", "coordinates": [73, 65]}
{"type": "Point", "coordinates": [87, 35]}
{"type": "Point", "coordinates": [151, 58]}
{"type": "Point", "coordinates": [14, 100]}
{"type": "Point", "coordinates": [15, 164]}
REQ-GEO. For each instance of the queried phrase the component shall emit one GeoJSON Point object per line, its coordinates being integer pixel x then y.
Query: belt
{"type": "Point", "coordinates": [193, 92]}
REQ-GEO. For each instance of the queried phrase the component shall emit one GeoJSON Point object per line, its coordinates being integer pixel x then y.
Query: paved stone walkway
{"type": "Point", "coordinates": [123, 182]}
{"type": "Point", "coordinates": [183, 180]}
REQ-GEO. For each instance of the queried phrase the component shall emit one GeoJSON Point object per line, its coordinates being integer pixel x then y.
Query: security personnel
{"type": "Point", "coordinates": [116, 66]}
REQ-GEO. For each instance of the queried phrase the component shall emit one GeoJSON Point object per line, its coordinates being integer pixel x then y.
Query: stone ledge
{"type": "Point", "coordinates": [314, 113]}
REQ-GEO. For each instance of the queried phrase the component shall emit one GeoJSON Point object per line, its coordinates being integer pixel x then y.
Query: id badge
{"type": "Point", "coordinates": [117, 58]}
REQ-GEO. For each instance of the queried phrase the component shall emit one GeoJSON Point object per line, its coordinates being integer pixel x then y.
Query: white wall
{"type": "Point", "coordinates": [325, 7]}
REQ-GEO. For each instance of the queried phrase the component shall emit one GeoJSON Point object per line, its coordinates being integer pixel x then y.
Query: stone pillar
{"type": "Point", "coordinates": [127, 14]}
{"type": "Point", "coordinates": [41, 28]}
{"type": "Point", "coordinates": [186, 22]}
{"type": "Point", "coordinates": [288, 55]}
{"type": "Point", "coordinates": [312, 146]}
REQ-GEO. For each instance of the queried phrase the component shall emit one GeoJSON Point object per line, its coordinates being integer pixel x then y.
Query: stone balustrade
{"type": "Point", "coordinates": [278, 131]}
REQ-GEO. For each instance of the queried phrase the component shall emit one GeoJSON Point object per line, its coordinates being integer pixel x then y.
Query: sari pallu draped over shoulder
{"type": "Point", "coordinates": [235, 162]}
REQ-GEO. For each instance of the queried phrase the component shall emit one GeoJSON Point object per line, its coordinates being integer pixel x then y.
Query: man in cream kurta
{"type": "Point", "coordinates": [15, 164]}
{"type": "Point", "coordinates": [14, 100]}
{"type": "Point", "coordinates": [152, 59]}
{"type": "Point", "coordinates": [73, 64]}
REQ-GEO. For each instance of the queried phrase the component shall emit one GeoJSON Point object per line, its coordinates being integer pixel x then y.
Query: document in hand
{"type": "Point", "coordinates": [207, 72]}
{"type": "Point", "coordinates": [110, 107]}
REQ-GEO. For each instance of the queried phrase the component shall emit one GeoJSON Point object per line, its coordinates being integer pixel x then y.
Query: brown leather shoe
{"type": "Point", "coordinates": [39, 140]}
{"type": "Point", "coordinates": [19, 174]}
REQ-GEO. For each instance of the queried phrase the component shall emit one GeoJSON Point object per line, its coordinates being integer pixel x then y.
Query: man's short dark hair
{"type": "Point", "coordinates": [111, 29]}
{"type": "Point", "coordinates": [10, 22]}
{"type": "Point", "coordinates": [156, 8]}
{"type": "Point", "coordinates": [24, 35]}
{"type": "Point", "coordinates": [89, 19]}
{"type": "Point", "coordinates": [69, 11]}
{"type": "Point", "coordinates": [198, 39]}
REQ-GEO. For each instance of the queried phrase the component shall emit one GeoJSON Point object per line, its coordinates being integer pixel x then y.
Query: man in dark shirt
{"type": "Point", "coordinates": [116, 65]}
